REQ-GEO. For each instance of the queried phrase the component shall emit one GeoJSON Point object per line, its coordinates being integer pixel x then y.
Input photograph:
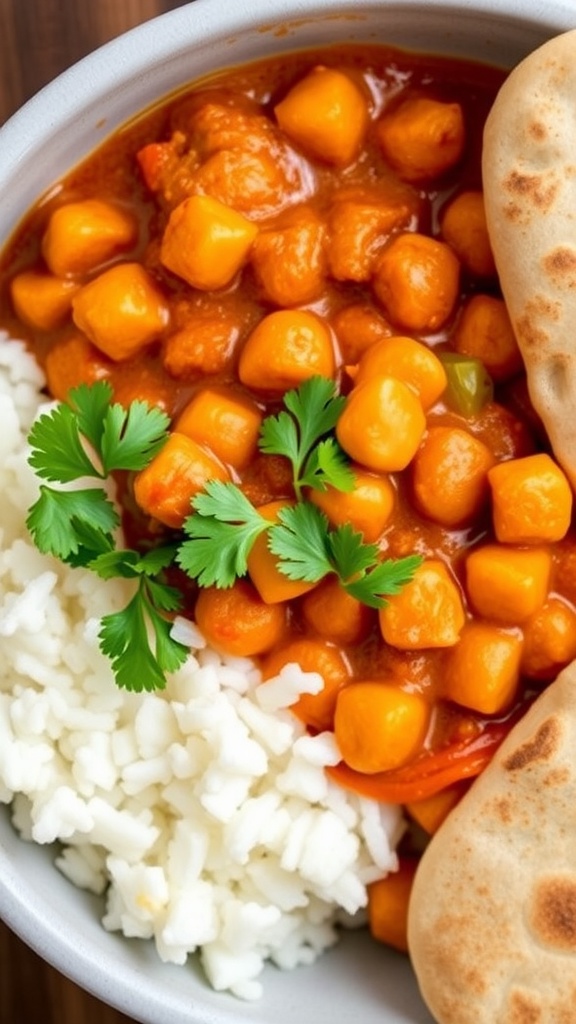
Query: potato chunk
{"type": "Point", "coordinates": [121, 311]}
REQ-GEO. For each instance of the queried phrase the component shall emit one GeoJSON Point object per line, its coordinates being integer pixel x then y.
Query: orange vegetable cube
{"type": "Point", "coordinates": [431, 811]}
{"type": "Point", "coordinates": [508, 584]}
{"type": "Point", "coordinates": [335, 615]}
{"type": "Point", "coordinates": [205, 344]}
{"type": "Point", "coordinates": [237, 621]}
{"type": "Point", "coordinates": [327, 114]}
{"type": "Point", "coordinates": [165, 487]}
{"type": "Point", "coordinates": [252, 183]}
{"type": "Point", "coordinates": [388, 901]}
{"type": "Point", "coordinates": [289, 260]}
{"type": "Point", "coordinates": [42, 300]}
{"type": "Point", "coordinates": [311, 655]}
{"type": "Point", "coordinates": [450, 475]}
{"type": "Point", "coordinates": [80, 236]}
{"type": "Point", "coordinates": [422, 138]}
{"type": "Point", "coordinates": [359, 225]}
{"type": "Point", "coordinates": [428, 611]}
{"type": "Point", "coordinates": [464, 229]}
{"type": "Point", "coordinates": [357, 327]}
{"type": "Point", "coordinates": [72, 361]}
{"type": "Point", "coordinates": [482, 671]}
{"type": "Point", "coordinates": [121, 311]}
{"type": "Point", "coordinates": [379, 726]}
{"type": "Point", "coordinates": [484, 331]}
{"type": "Point", "coordinates": [225, 421]}
{"type": "Point", "coordinates": [531, 500]}
{"type": "Point", "coordinates": [285, 349]}
{"type": "Point", "coordinates": [549, 640]}
{"type": "Point", "coordinates": [206, 243]}
{"type": "Point", "coordinates": [416, 279]}
{"type": "Point", "coordinates": [382, 424]}
{"type": "Point", "coordinates": [272, 584]}
{"type": "Point", "coordinates": [411, 361]}
{"type": "Point", "coordinates": [367, 507]}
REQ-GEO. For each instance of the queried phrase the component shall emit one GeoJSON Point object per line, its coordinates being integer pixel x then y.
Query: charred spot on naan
{"type": "Point", "coordinates": [560, 266]}
{"type": "Point", "coordinates": [523, 1007]}
{"type": "Point", "coordinates": [542, 747]}
{"type": "Point", "coordinates": [529, 326]}
{"type": "Point", "coordinates": [529, 193]}
{"type": "Point", "coordinates": [552, 913]}
{"type": "Point", "coordinates": [537, 130]}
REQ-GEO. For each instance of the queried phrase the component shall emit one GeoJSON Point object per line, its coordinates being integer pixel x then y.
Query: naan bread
{"type": "Point", "coordinates": [492, 922]}
{"type": "Point", "coordinates": [529, 173]}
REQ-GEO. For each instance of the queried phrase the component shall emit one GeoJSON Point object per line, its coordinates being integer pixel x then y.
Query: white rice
{"type": "Point", "coordinates": [203, 813]}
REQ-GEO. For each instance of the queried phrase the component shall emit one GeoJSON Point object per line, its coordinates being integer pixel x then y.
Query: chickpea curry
{"type": "Point", "coordinates": [307, 220]}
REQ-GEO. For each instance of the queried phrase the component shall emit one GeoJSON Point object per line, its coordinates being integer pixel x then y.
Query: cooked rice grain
{"type": "Point", "coordinates": [203, 812]}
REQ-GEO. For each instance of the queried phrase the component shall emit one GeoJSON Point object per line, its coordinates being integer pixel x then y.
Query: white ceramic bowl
{"type": "Point", "coordinates": [358, 980]}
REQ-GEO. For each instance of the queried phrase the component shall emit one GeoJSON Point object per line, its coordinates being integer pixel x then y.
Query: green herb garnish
{"type": "Point", "coordinates": [308, 550]}
{"type": "Point", "coordinates": [90, 438]}
{"type": "Point", "coordinates": [299, 433]}
{"type": "Point", "coordinates": [220, 535]}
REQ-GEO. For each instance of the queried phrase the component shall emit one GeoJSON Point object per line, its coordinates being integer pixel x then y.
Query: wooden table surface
{"type": "Point", "coordinates": [38, 39]}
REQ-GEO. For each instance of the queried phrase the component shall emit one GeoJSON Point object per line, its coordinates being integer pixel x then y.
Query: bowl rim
{"type": "Point", "coordinates": [75, 87]}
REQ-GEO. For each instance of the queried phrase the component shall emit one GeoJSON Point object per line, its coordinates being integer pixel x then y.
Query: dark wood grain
{"type": "Point", "coordinates": [32, 992]}
{"type": "Point", "coordinates": [38, 40]}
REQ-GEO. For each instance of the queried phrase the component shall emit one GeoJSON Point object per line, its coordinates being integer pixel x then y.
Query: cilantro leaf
{"type": "Point", "coordinates": [350, 553]}
{"type": "Point", "coordinates": [57, 520]}
{"type": "Point", "coordinates": [308, 550]}
{"type": "Point", "coordinates": [167, 599]}
{"type": "Point", "coordinates": [90, 403]}
{"type": "Point", "coordinates": [129, 564]}
{"type": "Point", "coordinates": [316, 408]}
{"type": "Point", "coordinates": [224, 501]}
{"type": "Point", "coordinates": [125, 638]}
{"type": "Point", "coordinates": [120, 438]}
{"type": "Point", "coordinates": [92, 543]}
{"type": "Point", "coordinates": [328, 464]}
{"type": "Point", "coordinates": [300, 540]}
{"type": "Point", "coordinates": [111, 564]}
{"type": "Point", "coordinates": [131, 438]}
{"type": "Point", "coordinates": [279, 436]}
{"type": "Point", "coordinates": [220, 532]}
{"type": "Point", "coordinates": [385, 580]}
{"type": "Point", "coordinates": [57, 451]}
{"type": "Point", "coordinates": [363, 573]}
{"type": "Point", "coordinates": [311, 412]}
{"type": "Point", "coordinates": [153, 561]}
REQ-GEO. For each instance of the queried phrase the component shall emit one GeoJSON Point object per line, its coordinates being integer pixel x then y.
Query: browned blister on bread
{"type": "Point", "coordinates": [529, 174]}
{"type": "Point", "coordinates": [492, 922]}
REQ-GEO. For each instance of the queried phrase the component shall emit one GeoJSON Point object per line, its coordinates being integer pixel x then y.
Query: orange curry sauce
{"type": "Point", "coordinates": [213, 141]}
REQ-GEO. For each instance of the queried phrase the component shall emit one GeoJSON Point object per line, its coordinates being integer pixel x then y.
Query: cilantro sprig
{"type": "Point", "coordinates": [89, 438]}
{"type": "Point", "coordinates": [299, 432]}
{"type": "Point", "coordinates": [220, 532]}
{"type": "Point", "coordinates": [308, 550]}
{"type": "Point", "coordinates": [125, 635]}
{"type": "Point", "coordinates": [224, 525]}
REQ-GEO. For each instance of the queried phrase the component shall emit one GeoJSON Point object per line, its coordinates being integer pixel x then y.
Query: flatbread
{"type": "Point", "coordinates": [529, 174]}
{"type": "Point", "coordinates": [492, 920]}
